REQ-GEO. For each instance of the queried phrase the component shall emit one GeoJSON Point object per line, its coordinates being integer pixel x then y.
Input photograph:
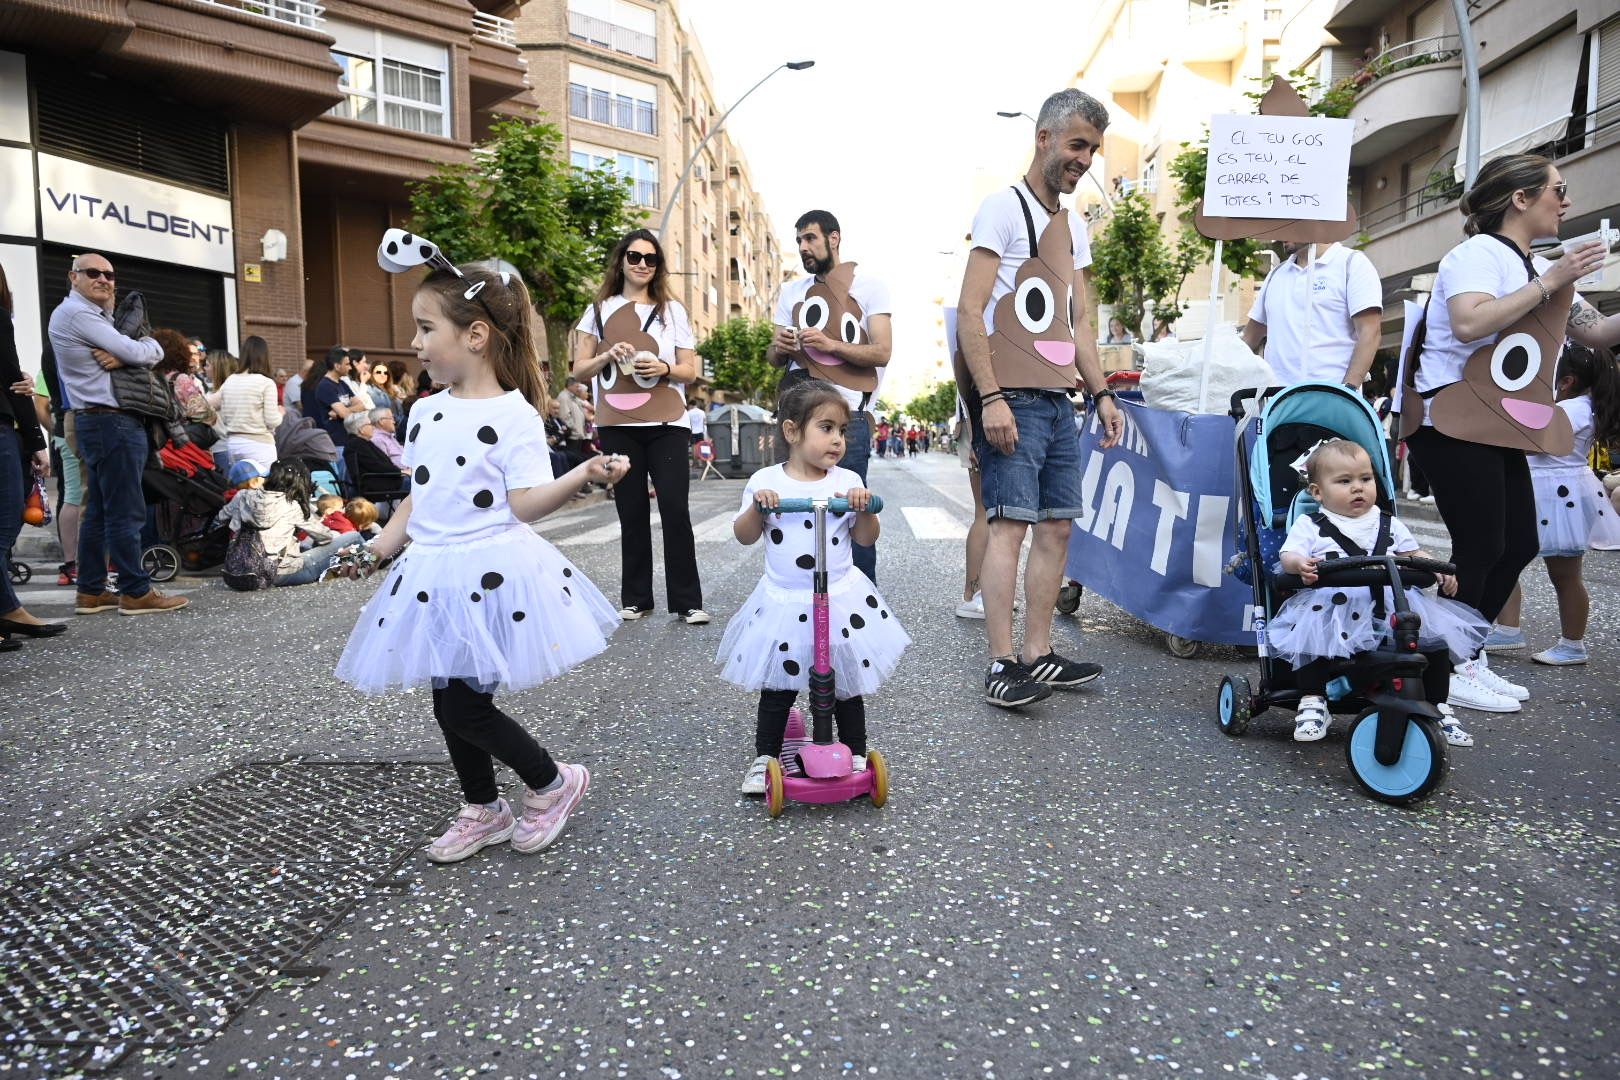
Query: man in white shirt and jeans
{"type": "Point", "coordinates": [1319, 325]}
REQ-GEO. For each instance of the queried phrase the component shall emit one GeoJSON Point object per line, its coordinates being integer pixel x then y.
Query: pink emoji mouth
{"type": "Point", "coordinates": [626, 402]}
{"type": "Point", "coordinates": [1056, 352]}
{"type": "Point", "coordinates": [824, 359]}
{"type": "Point", "coordinates": [1529, 414]}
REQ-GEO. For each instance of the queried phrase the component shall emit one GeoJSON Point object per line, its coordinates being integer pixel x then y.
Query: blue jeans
{"type": "Point", "coordinates": [113, 448]}
{"type": "Point", "coordinates": [1040, 479]}
{"type": "Point", "coordinates": [857, 453]}
{"type": "Point", "coordinates": [12, 494]}
{"type": "Point", "coordinates": [315, 560]}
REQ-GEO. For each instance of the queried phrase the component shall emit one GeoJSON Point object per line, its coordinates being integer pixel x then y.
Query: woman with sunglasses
{"type": "Point", "coordinates": [635, 343]}
{"type": "Point", "coordinates": [1483, 286]}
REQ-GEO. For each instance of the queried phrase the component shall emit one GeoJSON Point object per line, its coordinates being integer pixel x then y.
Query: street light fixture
{"type": "Point", "coordinates": [669, 207]}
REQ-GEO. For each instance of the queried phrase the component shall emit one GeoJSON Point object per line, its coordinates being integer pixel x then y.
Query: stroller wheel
{"type": "Point", "coordinates": [1068, 599]}
{"type": "Point", "coordinates": [1182, 648]}
{"type": "Point", "coordinates": [1415, 774]}
{"type": "Point", "coordinates": [1233, 704]}
{"type": "Point", "coordinates": [880, 777]}
{"type": "Point", "coordinates": [21, 573]}
{"type": "Point", "coordinates": [161, 561]}
{"type": "Point", "coordinates": [775, 790]}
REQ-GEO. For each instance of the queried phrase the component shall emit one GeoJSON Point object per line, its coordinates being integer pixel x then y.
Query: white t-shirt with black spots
{"type": "Point", "coordinates": [790, 539]}
{"type": "Point", "coordinates": [463, 456]}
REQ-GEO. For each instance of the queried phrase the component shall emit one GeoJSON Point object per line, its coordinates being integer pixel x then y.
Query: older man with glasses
{"type": "Point", "coordinates": [112, 442]}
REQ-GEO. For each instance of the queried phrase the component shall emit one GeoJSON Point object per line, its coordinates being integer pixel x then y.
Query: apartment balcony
{"type": "Point", "coordinates": [1215, 34]}
{"type": "Point", "coordinates": [1358, 14]}
{"type": "Point", "coordinates": [612, 36]}
{"type": "Point", "coordinates": [1132, 66]}
{"type": "Point", "coordinates": [496, 69]}
{"type": "Point", "coordinates": [1410, 90]}
{"type": "Point", "coordinates": [258, 59]}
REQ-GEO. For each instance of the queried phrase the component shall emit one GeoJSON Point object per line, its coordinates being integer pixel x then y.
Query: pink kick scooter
{"type": "Point", "coordinates": [828, 770]}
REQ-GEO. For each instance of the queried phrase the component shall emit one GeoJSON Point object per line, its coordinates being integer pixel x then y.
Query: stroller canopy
{"type": "Point", "coordinates": [1295, 419]}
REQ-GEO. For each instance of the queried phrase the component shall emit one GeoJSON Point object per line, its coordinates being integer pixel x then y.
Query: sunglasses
{"type": "Point", "coordinates": [1561, 190]}
{"type": "Point", "coordinates": [636, 258]}
{"type": "Point", "coordinates": [96, 275]}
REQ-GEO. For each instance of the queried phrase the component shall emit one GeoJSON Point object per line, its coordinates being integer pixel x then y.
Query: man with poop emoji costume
{"type": "Point", "coordinates": [834, 324]}
{"type": "Point", "coordinates": [1023, 347]}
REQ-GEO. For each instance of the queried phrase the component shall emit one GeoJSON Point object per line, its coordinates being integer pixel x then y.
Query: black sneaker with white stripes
{"type": "Point", "coordinates": [1009, 684]}
{"type": "Point", "coordinates": [1058, 671]}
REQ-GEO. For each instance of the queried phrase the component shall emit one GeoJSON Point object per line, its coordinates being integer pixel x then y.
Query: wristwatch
{"type": "Point", "coordinates": [1106, 391]}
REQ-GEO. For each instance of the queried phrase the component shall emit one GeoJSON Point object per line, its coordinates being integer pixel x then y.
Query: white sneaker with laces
{"type": "Point", "coordinates": [857, 763]}
{"type": "Point", "coordinates": [1311, 719]}
{"type": "Point", "coordinates": [631, 614]}
{"type": "Point", "coordinates": [695, 617]}
{"type": "Point", "coordinates": [1494, 682]}
{"type": "Point", "coordinates": [753, 782]}
{"type": "Point", "coordinates": [1468, 692]}
{"type": "Point", "coordinates": [971, 609]}
{"type": "Point", "coordinates": [1564, 654]}
{"type": "Point", "coordinates": [1451, 727]}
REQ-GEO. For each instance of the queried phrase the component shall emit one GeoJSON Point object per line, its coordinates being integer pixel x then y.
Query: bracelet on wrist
{"type": "Point", "coordinates": [994, 395]}
{"type": "Point", "coordinates": [1546, 297]}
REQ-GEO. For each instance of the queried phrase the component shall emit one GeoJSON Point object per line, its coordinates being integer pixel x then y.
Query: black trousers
{"type": "Point", "coordinates": [659, 453]}
{"type": "Point", "coordinates": [1485, 497]}
{"type": "Point", "coordinates": [476, 731]}
{"type": "Point", "coordinates": [1312, 677]}
{"type": "Point", "coordinates": [850, 713]}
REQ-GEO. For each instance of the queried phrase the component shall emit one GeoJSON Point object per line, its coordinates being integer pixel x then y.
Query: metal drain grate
{"type": "Point", "coordinates": [155, 935]}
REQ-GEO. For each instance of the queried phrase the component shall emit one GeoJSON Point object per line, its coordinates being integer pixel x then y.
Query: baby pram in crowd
{"type": "Point", "coordinates": [1395, 749]}
{"type": "Point", "coordinates": [300, 437]}
{"type": "Point", "coordinates": [185, 491]}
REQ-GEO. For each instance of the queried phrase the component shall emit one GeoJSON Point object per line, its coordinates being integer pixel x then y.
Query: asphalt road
{"type": "Point", "coordinates": [1103, 886]}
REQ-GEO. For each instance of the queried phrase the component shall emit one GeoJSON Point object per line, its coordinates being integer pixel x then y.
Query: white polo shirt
{"type": "Point", "coordinates": [1345, 284]}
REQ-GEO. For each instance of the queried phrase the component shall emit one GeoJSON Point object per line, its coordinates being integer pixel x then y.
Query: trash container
{"type": "Point", "coordinates": [753, 430]}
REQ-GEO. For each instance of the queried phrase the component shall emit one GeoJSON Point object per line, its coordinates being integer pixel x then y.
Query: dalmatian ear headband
{"type": "Point", "coordinates": [401, 251]}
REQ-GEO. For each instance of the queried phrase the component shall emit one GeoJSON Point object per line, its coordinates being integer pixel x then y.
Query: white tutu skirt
{"type": "Point", "coordinates": [1573, 511]}
{"type": "Point", "coordinates": [768, 642]}
{"type": "Point", "coordinates": [1333, 624]}
{"type": "Point", "coordinates": [504, 613]}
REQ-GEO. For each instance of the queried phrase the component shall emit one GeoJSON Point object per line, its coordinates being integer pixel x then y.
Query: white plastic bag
{"type": "Point", "coordinates": [1173, 373]}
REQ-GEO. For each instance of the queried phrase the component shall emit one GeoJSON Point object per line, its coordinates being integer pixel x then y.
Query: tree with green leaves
{"type": "Point", "coordinates": [520, 200]}
{"type": "Point", "coordinates": [735, 352]}
{"type": "Point", "coordinates": [1134, 268]}
{"type": "Point", "coordinates": [935, 406]}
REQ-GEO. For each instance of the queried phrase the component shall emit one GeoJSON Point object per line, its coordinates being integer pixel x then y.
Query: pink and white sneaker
{"type": "Point", "coordinates": [545, 815]}
{"type": "Point", "coordinates": [475, 828]}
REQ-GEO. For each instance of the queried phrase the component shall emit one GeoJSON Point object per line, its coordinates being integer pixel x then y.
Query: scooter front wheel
{"type": "Point", "coordinates": [880, 777]}
{"type": "Point", "coordinates": [775, 790]}
{"type": "Point", "coordinates": [1413, 776]}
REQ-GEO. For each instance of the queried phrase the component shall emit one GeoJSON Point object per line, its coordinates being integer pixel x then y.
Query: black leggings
{"type": "Point", "coordinates": [474, 730]}
{"type": "Point", "coordinates": [1485, 498]}
{"type": "Point", "coordinates": [773, 713]}
{"type": "Point", "coordinates": [1312, 677]}
{"type": "Point", "coordinates": [661, 453]}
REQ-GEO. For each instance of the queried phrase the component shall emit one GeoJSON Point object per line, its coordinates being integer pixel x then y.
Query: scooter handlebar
{"type": "Point", "coordinates": [837, 506]}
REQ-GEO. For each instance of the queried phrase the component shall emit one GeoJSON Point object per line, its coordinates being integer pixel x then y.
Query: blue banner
{"type": "Point", "coordinates": [1157, 528]}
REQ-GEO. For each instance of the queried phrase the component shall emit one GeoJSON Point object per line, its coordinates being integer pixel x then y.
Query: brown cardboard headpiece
{"type": "Point", "coordinates": [1506, 394]}
{"type": "Point", "coordinates": [1281, 100]}
{"type": "Point", "coordinates": [1033, 343]}
{"type": "Point", "coordinates": [629, 399]}
{"type": "Point", "coordinates": [827, 306]}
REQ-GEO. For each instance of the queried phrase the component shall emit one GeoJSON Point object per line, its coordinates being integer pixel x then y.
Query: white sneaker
{"type": "Point", "coordinates": [754, 779]}
{"type": "Point", "coordinates": [695, 617]}
{"type": "Point", "coordinates": [1451, 727]}
{"type": "Point", "coordinates": [1468, 692]}
{"type": "Point", "coordinates": [631, 614]}
{"type": "Point", "coordinates": [1311, 719]}
{"type": "Point", "coordinates": [971, 609]}
{"type": "Point", "coordinates": [1494, 682]}
{"type": "Point", "coordinates": [857, 763]}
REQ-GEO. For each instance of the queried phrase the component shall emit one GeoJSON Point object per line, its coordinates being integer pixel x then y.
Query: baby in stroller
{"type": "Point", "coordinates": [1314, 626]}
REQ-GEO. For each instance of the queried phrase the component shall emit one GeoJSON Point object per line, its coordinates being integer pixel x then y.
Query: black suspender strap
{"type": "Point", "coordinates": [1029, 219]}
{"type": "Point", "coordinates": [1331, 531]}
{"type": "Point", "coordinates": [646, 327]}
{"type": "Point", "coordinates": [1380, 546]}
{"type": "Point", "coordinates": [1529, 265]}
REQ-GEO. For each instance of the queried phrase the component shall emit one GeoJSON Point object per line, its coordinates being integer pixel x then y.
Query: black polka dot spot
{"type": "Point", "coordinates": [866, 663]}
{"type": "Point", "coordinates": [1544, 521]}
{"type": "Point", "coordinates": [1340, 598]}
{"type": "Point", "coordinates": [476, 598]}
{"type": "Point", "coordinates": [790, 666]}
{"type": "Point", "coordinates": [567, 591]}
{"type": "Point", "coordinates": [1316, 607]}
{"type": "Point", "coordinates": [783, 647]}
{"type": "Point", "coordinates": [1570, 505]}
{"type": "Point", "coordinates": [486, 435]}
{"type": "Point", "coordinates": [438, 416]}
{"type": "Point", "coordinates": [776, 536]}
{"type": "Point", "coordinates": [871, 601]}
{"type": "Point", "coordinates": [484, 499]}
{"type": "Point", "coordinates": [422, 596]}
{"type": "Point", "coordinates": [1343, 636]}
{"type": "Point", "coordinates": [379, 622]}
{"type": "Point", "coordinates": [416, 429]}
{"type": "Point", "coordinates": [1355, 616]}
{"type": "Point", "coordinates": [885, 614]}
{"type": "Point", "coordinates": [1563, 491]}
{"type": "Point", "coordinates": [517, 616]}
{"type": "Point", "coordinates": [857, 622]}
{"type": "Point", "coordinates": [421, 474]}
{"type": "Point", "coordinates": [567, 572]}
{"type": "Point", "coordinates": [460, 460]}
{"type": "Point", "coordinates": [806, 562]}
{"type": "Point", "coordinates": [804, 618]}
{"type": "Point", "coordinates": [835, 541]}
{"type": "Point", "coordinates": [491, 580]}
{"type": "Point", "coordinates": [809, 524]}
{"type": "Point", "coordinates": [397, 583]}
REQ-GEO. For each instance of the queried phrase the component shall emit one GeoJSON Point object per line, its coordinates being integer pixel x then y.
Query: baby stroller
{"type": "Point", "coordinates": [1395, 748]}
{"type": "Point", "coordinates": [185, 491]}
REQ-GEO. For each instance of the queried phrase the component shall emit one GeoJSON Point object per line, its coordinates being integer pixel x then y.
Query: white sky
{"type": "Point", "coordinates": [894, 130]}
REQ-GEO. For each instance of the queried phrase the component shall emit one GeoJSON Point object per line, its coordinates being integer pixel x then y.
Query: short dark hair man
{"type": "Point", "coordinates": [834, 324]}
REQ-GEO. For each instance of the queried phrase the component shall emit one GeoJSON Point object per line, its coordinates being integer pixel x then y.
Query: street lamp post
{"type": "Point", "coordinates": [669, 207]}
{"type": "Point", "coordinates": [1108, 202]}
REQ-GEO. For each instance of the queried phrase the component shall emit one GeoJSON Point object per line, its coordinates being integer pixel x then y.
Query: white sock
{"type": "Point", "coordinates": [555, 785]}
{"type": "Point", "coordinates": [1578, 643]}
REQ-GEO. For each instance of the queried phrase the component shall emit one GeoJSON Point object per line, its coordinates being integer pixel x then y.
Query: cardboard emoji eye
{"type": "Point", "coordinates": [849, 328]}
{"type": "Point", "coordinates": [1515, 362]}
{"type": "Point", "coordinates": [646, 382]}
{"type": "Point", "coordinates": [1033, 304]}
{"type": "Point", "coordinates": [609, 375]}
{"type": "Point", "coordinates": [813, 314]}
{"type": "Point", "coordinates": [1071, 308]}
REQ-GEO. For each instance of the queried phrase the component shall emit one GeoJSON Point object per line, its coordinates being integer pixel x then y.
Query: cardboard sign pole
{"type": "Point", "coordinates": [1209, 329]}
{"type": "Point", "coordinates": [1310, 297]}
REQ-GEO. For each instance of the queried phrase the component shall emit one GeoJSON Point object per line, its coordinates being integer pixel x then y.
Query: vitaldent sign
{"type": "Point", "coordinates": [105, 211]}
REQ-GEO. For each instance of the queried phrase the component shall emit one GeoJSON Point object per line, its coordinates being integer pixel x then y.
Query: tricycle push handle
{"type": "Point", "coordinates": [836, 506]}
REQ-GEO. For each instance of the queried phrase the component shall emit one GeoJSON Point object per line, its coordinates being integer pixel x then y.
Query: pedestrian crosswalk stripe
{"type": "Point", "coordinates": [933, 523]}
{"type": "Point", "coordinates": [603, 534]}
{"type": "Point", "coordinates": [715, 528]}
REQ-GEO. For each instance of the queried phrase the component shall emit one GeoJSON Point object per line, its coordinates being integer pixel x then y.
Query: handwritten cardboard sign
{"type": "Point", "coordinates": [1280, 167]}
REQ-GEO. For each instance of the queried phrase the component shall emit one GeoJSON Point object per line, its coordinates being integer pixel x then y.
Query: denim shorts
{"type": "Point", "coordinates": [1040, 479]}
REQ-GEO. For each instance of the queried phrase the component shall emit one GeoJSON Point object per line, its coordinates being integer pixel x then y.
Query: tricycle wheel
{"type": "Point", "coordinates": [1233, 705]}
{"type": "Point", "coordinates": [161, 562]}
{"type": "Point", "coordinates": [1415, 774]}
{"type": "Point", "coordinates": [880, 777]}
{"type": "Point", "coordinates": [21, 573]}
{"type": "Point", "coordinates": [1180, 647]}
{"type": "Point", "coordinates": [775, 793]}
{"type": "Point", "coordinates": [1068, 598]}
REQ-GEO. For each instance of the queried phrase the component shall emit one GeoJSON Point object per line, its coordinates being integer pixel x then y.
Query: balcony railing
{"type": "Point", "coordinates": [646, 193]}
{"type": "Point", "coordinates": [1407, 55]}
{"type": "Point", "coordinates": [494, 28]}
{"type": "Point", "coordinates": [297, 12]}
{"type": "Point", "coordinates": [607, 35]}
{"type": "Point", "coordinates": [1216, 9]}
{"type": "Point", "coordinates": [1148, 185]}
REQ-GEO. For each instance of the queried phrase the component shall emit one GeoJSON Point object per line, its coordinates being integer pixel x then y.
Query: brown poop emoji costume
{"type": "Point", "coordinates": [827, 306]}
{"type": "Point", "coordinates": [1506, 394]}
{"type": "Point", "coordinates": [630, 399]}
{"type": "Point", "coordinates": [1032, 346]}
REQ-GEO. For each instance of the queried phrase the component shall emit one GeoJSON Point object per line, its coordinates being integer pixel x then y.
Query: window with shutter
{"type": "Point", "coordinates": [1605, 125]}
{"type": "Point", "coordinates": [190, 301]}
